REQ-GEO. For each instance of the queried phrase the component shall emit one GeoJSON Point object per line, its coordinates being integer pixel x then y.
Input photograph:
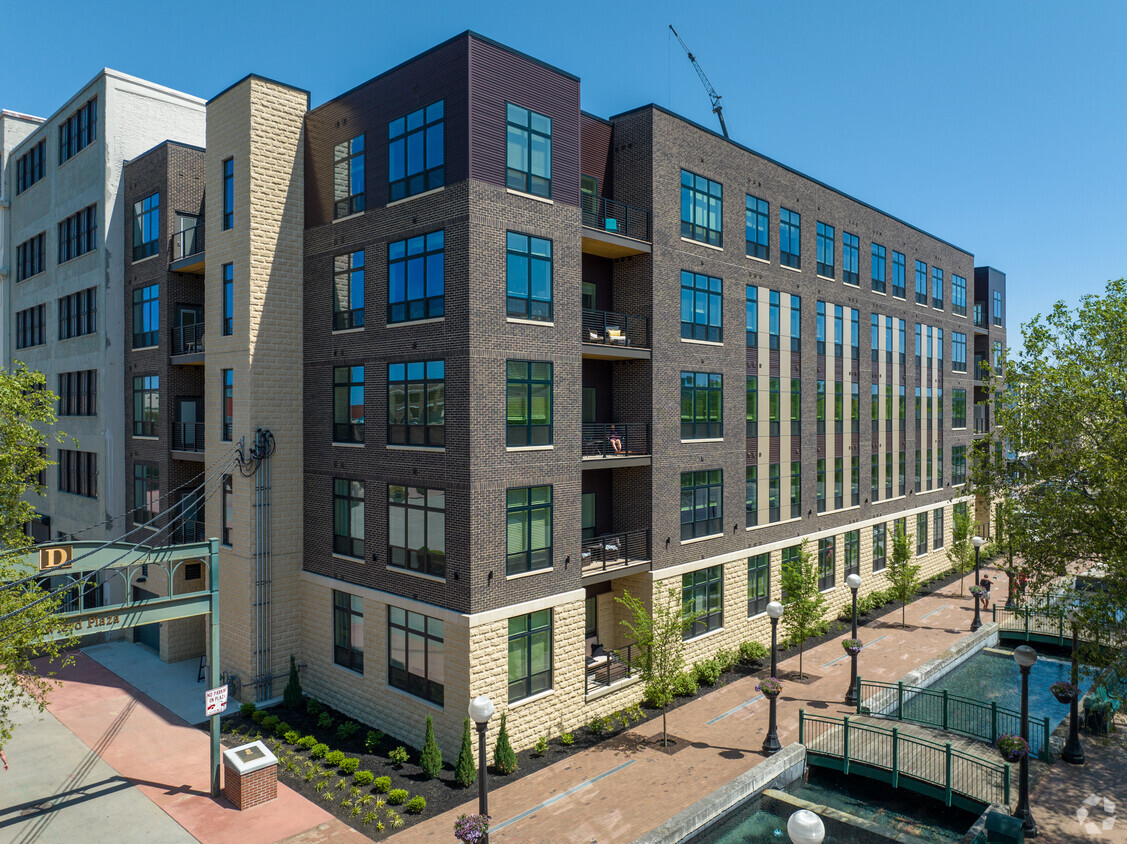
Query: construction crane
{"type": "Point", "coordinates": [716, 107]}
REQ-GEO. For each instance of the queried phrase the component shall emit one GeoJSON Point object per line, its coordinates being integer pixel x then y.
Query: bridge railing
{"type": "Point", "coordinates": [944, 711]}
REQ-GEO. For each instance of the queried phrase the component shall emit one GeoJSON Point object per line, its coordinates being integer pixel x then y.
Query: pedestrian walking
{"type": "Point", "coordinates": [3, 758]}
{"type": "Point", "coordinates": [986, 583]}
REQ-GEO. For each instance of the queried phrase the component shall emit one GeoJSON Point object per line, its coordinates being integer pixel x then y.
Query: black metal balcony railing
{"type": "Point", "coordinates": [611, 329]}
{"type": "Point", "coordinates": [613, 439]}
{"type": "Point", "coordinates": [187, 242]}
{"type": "Point", "coordinates": [187, 436]}
{"type": "Point", "coordinates": [980, 315]}
{"type": "Point", "coordinates": [616, 217]}
{"type": "Point", "coordinates": [607, 667]}
{"type": "Point", "coordinates": [187, 339]}
{"type": "Point", "coordinates": [614, 550]}
{"type": "Point", "coordinates": [980, 367]}
{"type": "Point", "coordinates": [981, 421]}
{"type": "Point", "coordinates": [187, 531]}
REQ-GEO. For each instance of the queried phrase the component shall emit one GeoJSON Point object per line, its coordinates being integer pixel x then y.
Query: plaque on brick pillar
{"type": "Point", "coordinates": [250, 775]}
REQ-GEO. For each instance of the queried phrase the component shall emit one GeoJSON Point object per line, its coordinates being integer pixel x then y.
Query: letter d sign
{"type": "Point", "coordinates": [56, 557]}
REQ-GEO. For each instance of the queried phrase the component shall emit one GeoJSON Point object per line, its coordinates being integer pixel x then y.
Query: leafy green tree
{"type": "Point", "coordinates": [504, 758]}
{"type": "Point", "coordinates": [960, 553]}
{"type": "Point", "coordinates": [430, 760]}
{"type": "Point", "coordinates": [804, 605]}
{"type": "Point", "coordinates": [903, 575]}
{"type": "Point", "coordinates": [291, 695]}
{"type": "Point", "coordinates": [465, 770]}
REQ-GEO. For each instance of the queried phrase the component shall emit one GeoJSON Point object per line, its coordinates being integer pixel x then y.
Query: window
{"type": "Point", "coordinates": [228, 508]}
{"type": "Point", "coordinates": [752, 492]}
{"type": "Point", "coordinates": [903, 346]}
{"type": "Point", "coordinates": [820, 406]}
{"type": "Point", "coordinates": [758, 213]}
{"type": "Point", "coordinates": [958, 352]}
{"type": "Point", "coordinates": [528, 529]}
{"type": "Point", "coordinates": [78, 472]}
{"type": "Point", "coordinates": [790, 235]}
{"type": "Point", "coordinates": [416, 654]}
{"type": "Point", "coordinates": [795, 323]}
{"type": "Point", "coordinates": [348, 177]}
{"type": "Point", "coordinates": [852, 552]}
{"type": "Point", "coordinates": [821, 484]}
{"type": "Point", "coordinates": [898, 272]}
{"type": "Point", "coordinates": [958, 295]}
{"type": "Point", "coordinates": [958, 464]}
{"type": "Point", "coordinates": [416, 403]}
{"type": "Point", "coordinates": [78, 393]}
{"type": "Point", "coordinates": [854, 480]}
{"type": "Point", "coordinates": [78, 234]}
{"type": "Point", "coordinates": [919, 470]}
{"type": "Point", "coordinates": [530, 654]}
{"type": "Point", "coordinates": [702, 592]}
{"type": "Point", "coordinates": [146, 227]}
{"type": "Point", "coordinates": [416, 529]}
{"type": "Point", "coordinates": [228, 299]}
{"type": "Point", "coordinates": [839, 479]}
{"type": "Point", "coordinates": [146, 491]}
{"type": "Point", "coordinates": [820, 328]}
{"type": "Point", "coordinates": [30, 328]}
{"type": "Point", "coordinates": [31, 257]}
{"type": "Point", "coordinates": [29, 167]}
{"type": "Point", "coordinates": [228, 404]}
{"type": "Point", "coordinates": [791, 556]}
{"type": "Point", "coordinates": [921, 533]}
{"type": "Point", "coordinates": [825, 250]}
{"type": "Point", "coordinates": [839, 407]}
{"type": "Point", "coordinates": [146, 316]}
{"type": "Point", "coordinates": [773, 318]}
{"type": "Point", "coordinates": [702, 209]}
{"type": "Point", "coordinates": [78, 313]}
{"type": "Point", "coordinates": [827, 569]}
{"type": "Point", "coordinates": [146, 406]}
{"type": "Point", "coordinates": [348, 404]}
{"type": "Point", "coordinates": [528, 271]}
{"type": "Point", "coordinates": [796, 407]}
{"type": "Point", "coordinates": [901, 462]}
{"type": "Point", "coordinates": [78, 131]}
{"type": "Point", "coordinates": [773, 408]}
{"type": "Point", "coordinates": [921, 283]}
{"type": "Point", "coordinates": [774, 492]}
{"type": "Point", "coordinates": [998, 307]}
{"type": "Point", "coordinates": [416, 152]}
{"type": "Point", "coordinates": [795, 489]}
{"type": "Point", "coordinates": [753, 406]}
{"type": "Point", "coordinates": [850, 258]}
{"type": "Point", "coordinates": [879, 540]}
{"type": "Point", "coordinates": [528, 403]}
{"type": "Point", "coordinates": [529, 151]}
{"type": "Point", "coordinates": [854, 334]}
{"type": "Point", "coordinates": [874, 475]}
{"type": "Point", "coordinates": [752, 317]}
{"type": "Point", "coordinates": [937, 288]}
{"type": "Point", "coordinates": [701, 308]}
{"type": "Point", "coordinates": [228, 193]}
{"type": "Point", "coordinates": [416, 270]}
{"type": "Point", "coordinates": [701, 405]}
{"type": "Point", "coordinates": [348, 291]}
{"type": "Point", "coordinates": [348, 518]}
{"type": "Point", "coordinates": [702, 503]}
{"type": "Point", "coordinates": [937, 528]}
{"type": "Point", "coordinates": [758, 583]}
{"type": "Point", "coordinates": [878, 267]}
{"type": "Point", "coordinates": [348, 631]}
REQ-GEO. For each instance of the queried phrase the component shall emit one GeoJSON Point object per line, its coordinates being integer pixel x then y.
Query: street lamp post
{"type": "Point", "coordinates": [771, 744]}
{"type": "Point", "coordinates": [805, 827]}
{"type": "Point", "coordinates": [481, 710]}
{"type": "Point", "coordinates": [1073, 752]}
{"type": "Point", "coordinates": [977, 542]}
{"type": "Point", "coordinates": [1025, 656]}
{"type": "Point", "coordinates": [854, 583]}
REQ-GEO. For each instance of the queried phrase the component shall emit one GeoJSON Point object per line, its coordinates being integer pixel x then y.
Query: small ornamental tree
{"type": "Point", "coordinates": [430, 760]}
{"type": "Point", "coordinates": [961, 552]}
{"type": "Point", "coordinates": [465, 770]}
{"type": "Point", "coordinates": [504, 759]}
{"type": "Point", "coordinates": [803, 603]}
{"type": "Point", "coordinates": [292, 696]}
{"type": "Point", "coordinates": [903, 574]}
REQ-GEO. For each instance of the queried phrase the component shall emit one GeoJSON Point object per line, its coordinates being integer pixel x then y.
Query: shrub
{"type": "Point", "coordinates": [281, 728]}
{"type": "Point", "coordinates": [258, 716]}
{"type": "Point", "coordinates": [349, 765]}
{"type": "Point", "coordinates": [347, 729]}
{"type": "Point", "coordinates": [430, 760]}
{"type": "Point", "coordinates": [504, 759]}
{"type": "Point", "coordinates": [372, 740]}
{"type": "Point", "coordinates": [685, 685]}
{"type": "Point", "coordinates": [465, 770]}
{"type": "Point", "coordinates": [306, 742]}
{"type": "Point", "coordinates": [541, 746]}
{"type": "Point", "coordinates": [325, 721]}
{"type": "Point", "coordinates": [292, 736]}
{"type": "Point", "coordinates": [398, 756]}
{"type": "Point", "coordinates": [335, 758]}
{"type": "Point", "coordinates": [415, 805]}
{"type": "Point", "coordinates": [318, 751]}
{"type": "Point", "coordinates": [598, 725]}
{"type": "Point", "coordinates": [364, 778]}
{"type": "Point", "coordinates": [397, 796]}
{"type": "Point", "coordinates": [314, 707]}
{"type": "Point", "coordinates": [726, 658]}
{"type": "Point", "coordinates": [567, 739]}
{"type": "Point", "coordinates": [292, 695]}
{"type": "Point", "coordinates": [381, 784]}
{"type": "Point", "coordinates": [706, 672]}
{"type": "Point", "coordinates": [247, 709]}
{"type": "Point", "coordinates": [270, 723]}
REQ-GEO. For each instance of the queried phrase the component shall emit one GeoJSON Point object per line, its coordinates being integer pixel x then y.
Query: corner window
{"type": "Point", "coordinates": [758, 220]}
{"type": "Point", "coordinates": [348, 291]}
{"type": "Point", "coordinates": [348, 518]}
{"type": "Point", "coordinates": [528, 270]}
{"type": "Point", "coordinates": [146, 316]}
{"type": "Point", "coordinates": [528, 403]}
{"type": "Point", "coordinates": [146, 227]}
{"type": "Point", "coordinates": [348, 631]}
{"type": "Point", "coordinates": [827, 568]}
{"type": "Point", "coordinates": [78, 131]}
{"type": "Point", "coordinates": [702, 503]}
{"type": "Point", "coordinates": [348, 404]}
{"type": "Point", "coordinates": [702, 209]}
{"type": "Point", "coordinates": [416, 270]}
{"type": "Point", "coordinates": [958, 464]}
{"type": "Point", "coordinates": [416, 152]}
{"type": "Point", "coordinates": [701, 307]}
{"type": "Point", "coordinates": [416, 654]}
{"type": "Point", "coordinates": [228, 193]}
{"type": "Point", "coordinates": [530, 654]}
{"type": "Point", "coordinates": [825, 250]}
{"type": "Point", "coordinates": [146, 406]}
{"type": "Point", "coordinates": [528, 529]}
{"type": "Point", "coordinates": [528, 151]}
{"type": "Point", "coordinates": [228, 299]}
{"type": "Point", "coordinates": [416, 403]}
{"type": "Point", "coordinates": [790, 238]}
{"type": "Point", "coordinates": [878, 267]}
{"type": "Point", "coordinates": [416, 532]}
{"type": "Point", "coordinates": [701, 405]}
{"type": "Point", "coordinates": [348, 177]}
{"type": "Point", "coordinates": [702, 592]}
{"type": "Point", "coordinates": [998, 308]}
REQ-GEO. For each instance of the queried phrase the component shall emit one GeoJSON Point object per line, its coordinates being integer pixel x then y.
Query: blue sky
{"type": "Point", "coordinates": [998, 126]}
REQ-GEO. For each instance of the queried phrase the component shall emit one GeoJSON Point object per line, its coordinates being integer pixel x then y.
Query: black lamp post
{"type": "Point", "coordinates": [481, 710]}
{"type": "Point", "coordinates": [771, 744]}
{"type": "Point", "coordinates": [1073, 752]}
{"type": "Point", "coordinates": [977, 542]}
{"type": "Point", "coordinates": [1025, 656]}
{"type": "Point", "coordinates": [854, 583]}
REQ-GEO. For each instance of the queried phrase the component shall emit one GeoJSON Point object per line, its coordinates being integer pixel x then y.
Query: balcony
{"type": "Point", "coordinates": [615, 552]}
{"type": "Point", "coordinates": [614, 229]}
{"type": "Point", "coordinates": [981, 321]}
{"type": "Point", "coordinates": [187, 250]}
{"type": "Point", "coordinates": [622, 444]}
{"type": "Point", "coordinates": [188, 531]}
{"type": "Point", "coordinates": [980, 368]}
{"type": "Point", "coordinates": [187, 343]}
{"type": "Point", "coordinates": [610, 336]}
{"type": "Point", "coordinates": [187, 439]}
{"type": "Point", "coordinates": [981, 421]}
{"type": "Point", "coordinates": [607, 668]}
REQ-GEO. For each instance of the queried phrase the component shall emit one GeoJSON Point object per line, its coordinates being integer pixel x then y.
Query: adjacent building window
{"type": "Point", "coordinates": [850, 258]}
{"type": "Point", "coordinates": [958, 295]}
{"type": "Point", "coordinates": [78, 234]}
{"type": "Point", "coordinates": [774, 492]}
{"type": "Point", "coordinates": [228, 508]}
{"type": "Point", "coordinates": [146, 406]}
{"type": "Point", "coordinates": [416, 654]}
{"type": "Point", "coordinates": [753, 406]}
{"type": "Point", "coordinates": [827, 568]}
{"type": "Point", "coordinates": [921, 533]}
{"type": "Point", "coordinates": [146, 316]}
{"type": "Point", "coordinates": [958, 408]}
{"type": "Point", "coordinates": [78, 393]}
{"type": "Point", "coordinates": [530, 654]}
{"type": "Point", "coordinates": [146, 227]}
{"type": "Point", "coordinates": [528, 153]}
{"type": "Point", "coordinates": [752, 316]}
{"type": "Point", "coordinates": [937, 529]}
{"type": "Point", "coordinates": [29, 167]}
{"type": "Point", "coordinates": [795, 489]}
{"type": "Point", "coordinates": [78, 313]}
{"type": "Point", "coordinates": [852, 552]}
{"type": "Point", "coordinates": [348, 291]}
{"type": "Point", "coordinates": [879, 540]}
{"type": "Point", "coordinates": [416, 529]}
{"type": "Point", "coordinates": [878, 267]}
{"type": "Point", "coordinates": [79, 130]}
{"type": "Point", "coordinates": [416, 403]}
{"type": "Point", "coordinates": [228, 193]}
{"type": "Point", "coordinates": [78, 472]}
{"type": "Point", "coordinates": [31, 257]}
{"type": "Point", "coordinates": [348, 518]}
{"type": "Point", "coordinates": [701, 307]}
{"type": "Point", "coordinates": [348, 177]}
{"type": "Point", "coordinates": [228, 404]}
{"type": "Point", "coordinates": [958, 464]}
{"type": "Point", "coordinates": [702, 503]}
{"type": "Point", "coordinates": [758, 219]}
{"type": "Point", "coordinates": [825, 250]}
{"type": "Point", "coordinates": [921, 283]}
{"type": "Point", "coordinates": [348, 631]}
{"type": "Point", "coordinates": [528, 403]}
{"type": "Point", "coordinates": [228, 299]}
{"type": "Point", "coordinates": [702, 592]}
{"type": "Point", "coordinates": [937, 288]}
{"type": "Point", "coordinates": [790, 236]}
{"type": "Point", "coordinates": [898, 274]}
{"type": "Point", "coordinates": [416, 270]}
{"type": "Point", "coordinates": [528, 271]}
{"type": "Point", "coordinates": [701, 405]}
{"type": "Point", "coordinates": [528, 529]}
{"type": "Point", "coordinates": [416, 152]}
{"type": "Point", "coordinates": [30, 328]}
{"type": "Point", "coordinates": [758, 583]}
{"type": "Point", "coordinates": [702, 209]}
{"type": "Point", "coordinates": [348, 404]}
{"type": "Point", "coordinates": [146, 491]}
{"type": "Point", "coordinates": [751, 486]}
{"type": "Point", "coordinates": [997, 307]}
{"type": "Point", "coordinates": [958, 352]}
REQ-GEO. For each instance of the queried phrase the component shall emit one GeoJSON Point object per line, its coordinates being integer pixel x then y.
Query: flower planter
{"type": "Point", "coordinates": [771, 695]}
{"type": "Point", "coordinates": [1013, 748]}
{"type": "Point", "coordinates": [852, 646]}
{"type": "Point", "coordinates": [771, 688]}
{"type": "Point", "coordinates": [1064, 692]}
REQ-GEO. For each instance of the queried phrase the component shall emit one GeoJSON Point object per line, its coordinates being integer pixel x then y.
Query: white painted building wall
{"type": "Point", "coordinates": [14, 127]}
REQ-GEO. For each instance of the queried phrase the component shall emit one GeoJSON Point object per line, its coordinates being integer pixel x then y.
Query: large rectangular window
{"type": "Point", "coordinates": [78, 472]}
{"type": "Point", "coordinates": [146, 491]}
{"type": "Point", "coordinates": [790, 238]}
{"type": "Point", "coordinates": [348, 518]}
{"type": "Point", "coordinates": [852, 552]}
{"type": "Point", "coordinates": [528, 152]}
{"type": "Point", "coordinates": [937, 528]}
{"type": "Point", "coordinates": [528, 273]}
{"type": "Point", "coordinates": [701, 405]}
{"type": "Point", "coordinates": [228, 299]}
{"type": "Point", "coordinates": [30, 328]}
{"type": "Point", "coordinates": [348, 291]}
{"type": "Point", "coordinates": [528, 403]}
{"type": "Point", "coordinates": [29, 167]}
{"type": "Point", "coordinates": [416, 403]}
{"type": "Point", "coordinates": [997, 308]}
{"type": "Point", "coordinates": [416, 529]}
{"type": "Point", "coordinates": [879, 540]}
{"type": "Point", "coordinates": [228, 193]}
{"type": "Point", "coordinates": [921, 283]}
{"type": "Point", "coordinates": [348, 177]}
{"type": "Point", "coordinates": [228, 509]}
{"type": "Point", "coordinates": [416, 270]}
{"type": "Point", "coordinates": [751, 487]}
{"type": "Point", "coordinates": [878, 267]}
{"type": "Point", "coordinates": [31, 257]}
{"type": "Point", "coordinates": [702, 592]}
{"type": "Point", "coordinates": [702, 503]}
{"type": "Point", "coordinates": [795, 489]}
{"type": "Point", "coordinates": [228, 404]}
{"type": "Point", "coordinates": [958, 464]}
{"type": "Point", "coordinates": [820, 484]}
{"type": "Point", "coordinates": [348, 404]}
{"type": "Point", "coordinates": [850, 258]}
{"type": "Point", "coordinates": [958, 408]}
{"type": "Point", "coordinates": [958, 295]}
{"type": "Point", "coordinates": [758, 583]}
{"type": "Point", "coordinates": [825, 255]}
{"type": "Point", "coordinates": [753, 406]}
{"type": "Point", "coordinates": [78, 393]}
{"type": "Point", "coordinates": [958, 352]}
{"type": "Point", "coordinates": [937, 288]}
{"type": "Point", "coordinates": [530, 654]}
{"type": "Point", "coordinates": [528, 529]}
{"type": "Point", "coordinates": [78, 313]}
{"type": "Point", "coordinates": [898, 274]}
{"type": "Point", "coordinates": [701, 307]}
{"type": "Point", "coordinates": [78, 234]}
{"type": "Point", "coordinates": [416, 654]}
{"type": "Point", "coordinates": [752, 306]}
{"type": "Point", "coordinates": [416, 152]}
{"type": "Point", "coordinates": [758, 221]}
{"type": "Point", "coordinates": [702, 209]}
{"type": "Point", "coordinates": [146, 406]}
{"type": "Point", "coordinates": [348, 631]}
{"type": "Point", "coordinates": [79, 130]}
{"type": "Point", "coordinates": [827, 567]}
{"type": "Point", "coordinates": [921, 533]}
{"type": "Point", "coordinates": [146, 227]}
{"type": "Point", "coordinates": [146, 316]}
{"type": "Point", "coordinates": [774, 492]}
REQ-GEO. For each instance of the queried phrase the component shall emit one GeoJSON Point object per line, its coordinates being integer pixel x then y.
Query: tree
{"type": "Point", "coordinates": [26, 412]}
{"type": "Point", "coordinates": [504, 759]}
{"type": "Point", "coordinates": [292, 696]}
{"type": "Point", "coordinates": [961, 552]}
{"type": "Point", "coordinates": [803, 603]}
{"type": "Point", "coordinates": [430, 760]}
{"type": "Point", "coordinates": [903, 574]}
{"type": "Point", "coordinates": [465, 770]}
{"type": "Point", "coordinates": [658, 655]}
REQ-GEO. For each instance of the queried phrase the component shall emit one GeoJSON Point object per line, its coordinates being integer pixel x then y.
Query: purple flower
{"type": "Point", "coordinates": [769, 687]}
{"type": "Point", "coordinates": [471, 829]}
